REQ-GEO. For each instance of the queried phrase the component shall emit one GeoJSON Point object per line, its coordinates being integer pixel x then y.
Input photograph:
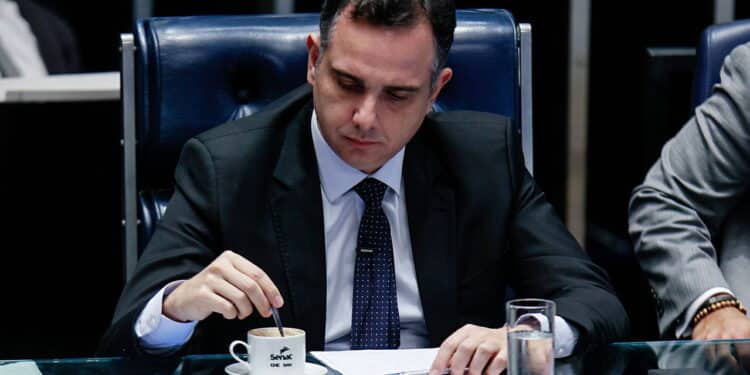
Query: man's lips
{"type": "Point", "coordinates": [360, 142]}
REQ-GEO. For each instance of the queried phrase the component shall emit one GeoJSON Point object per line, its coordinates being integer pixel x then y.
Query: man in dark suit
{"type": "Point", "coordinates": [380, 225]}
{"type": "Point", "coordinates": [56, 41]}
{"type": "Point", "coordinates": [35, 41]}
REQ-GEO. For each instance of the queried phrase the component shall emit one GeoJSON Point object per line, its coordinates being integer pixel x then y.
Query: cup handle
{"type": "Point", "coordinates": [235, 356]}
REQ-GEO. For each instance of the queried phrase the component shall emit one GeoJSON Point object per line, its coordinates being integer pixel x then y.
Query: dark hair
{"type": "Point", "coordinates": [440, 13]}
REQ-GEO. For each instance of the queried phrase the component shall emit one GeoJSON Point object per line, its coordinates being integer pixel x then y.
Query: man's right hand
{"type": "Point", "coordinates": [726, 323]}
{"type": "Point", "coordinates": [231, 286]}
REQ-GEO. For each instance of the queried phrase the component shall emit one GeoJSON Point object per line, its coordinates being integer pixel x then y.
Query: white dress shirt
{"type": "Point", "coordinates": [342, 211]}
{"type": "Point", "coordinates": [18, 43]}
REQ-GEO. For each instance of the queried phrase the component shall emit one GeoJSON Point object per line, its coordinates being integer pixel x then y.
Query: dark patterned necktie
{"type": "Point", "coordinates": [375, 320]}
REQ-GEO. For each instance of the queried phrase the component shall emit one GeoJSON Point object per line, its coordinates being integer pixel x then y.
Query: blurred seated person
{"type": "Point", "coordinates": [375, 224]}
{"type": "Point", "coordinates": [690, 220]}
{"type": "Point", "coordinates": [34, 41]}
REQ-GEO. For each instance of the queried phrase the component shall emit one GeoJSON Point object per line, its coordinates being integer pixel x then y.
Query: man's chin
{"type": "Point", "coordinates": [365, 167]}
{"type": "Point", "coordinates": [362, 160]}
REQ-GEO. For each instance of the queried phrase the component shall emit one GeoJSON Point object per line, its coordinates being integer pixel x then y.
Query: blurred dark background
{"type": "Point", "coordinates": [62, 266]}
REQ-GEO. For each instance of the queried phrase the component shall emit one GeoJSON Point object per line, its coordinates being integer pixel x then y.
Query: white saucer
{"type": "Point", "coordinates": [242, 369]}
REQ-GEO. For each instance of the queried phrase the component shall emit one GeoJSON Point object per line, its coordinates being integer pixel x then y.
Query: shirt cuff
{"type": "Point", "coordinates": [566, 335]}
{"type": "Point", "coordinates": [155, 331]}
{"type": "Point", "coordinates": [566, 338]}
{"type": "Point", "coordinates": [686, 328]}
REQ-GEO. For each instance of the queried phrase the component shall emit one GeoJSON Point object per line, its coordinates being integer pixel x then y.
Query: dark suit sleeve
{"type": "Point", "coordinates": [550, 264]}
{"type": "Point", "coordinates": [182, 245]}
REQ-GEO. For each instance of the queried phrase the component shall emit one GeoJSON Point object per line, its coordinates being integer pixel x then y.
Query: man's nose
{"type": "Point", "coordinates": [365, 115]}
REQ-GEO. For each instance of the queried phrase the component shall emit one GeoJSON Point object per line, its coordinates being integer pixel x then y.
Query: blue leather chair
{"type": "Point", "coordinates": [183, 75]}
{"type": "Point", "coordinates": [715, 44]}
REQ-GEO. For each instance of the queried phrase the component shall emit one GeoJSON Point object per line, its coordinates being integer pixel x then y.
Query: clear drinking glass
{"type": "Point", "coordinates": [530, 336]}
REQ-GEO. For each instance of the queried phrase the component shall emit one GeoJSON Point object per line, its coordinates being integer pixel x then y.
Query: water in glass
{"type": "Point", "coordinates": [530, 353]}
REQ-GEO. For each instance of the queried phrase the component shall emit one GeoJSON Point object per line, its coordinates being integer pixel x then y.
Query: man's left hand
{"type": "Point", "coordinates": [723, 324]}
{"type": "Point", "coordinates": [480, 350]}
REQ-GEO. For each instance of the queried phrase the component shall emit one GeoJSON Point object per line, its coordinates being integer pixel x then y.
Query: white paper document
{"type": "Point", "coordinates": [377, 362]}
{"type": "Point", "coordinates": [20, 368]}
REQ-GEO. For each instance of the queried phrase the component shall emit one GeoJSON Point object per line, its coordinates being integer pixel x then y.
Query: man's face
{"type": "Point", "coordinates": [372, 88]}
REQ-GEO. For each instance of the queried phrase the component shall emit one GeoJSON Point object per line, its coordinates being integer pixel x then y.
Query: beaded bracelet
{"type": "Point", "coordinates": [717, 302]}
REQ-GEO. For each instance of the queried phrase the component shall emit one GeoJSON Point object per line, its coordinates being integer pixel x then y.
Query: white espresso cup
{"type": "Point", "coordinates": [271, 354]}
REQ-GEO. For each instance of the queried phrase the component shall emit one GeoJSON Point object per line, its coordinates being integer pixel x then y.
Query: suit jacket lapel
{"type": "Point", "coordinates": [298, 222]}
{"type": "Point", "coordinates": [431, 212]}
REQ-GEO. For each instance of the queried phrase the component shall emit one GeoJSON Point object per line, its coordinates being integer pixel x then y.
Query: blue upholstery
{"type": "Point", "coordinates": [715, 44]}
{"type": "Point", "coordinates": [193, 73]}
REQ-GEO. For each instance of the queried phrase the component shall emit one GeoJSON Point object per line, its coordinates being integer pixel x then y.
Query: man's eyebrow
{"type": "Point", "coordinates": [402, 88]}
{"type": "Point", "coordinates": [346, 75]}
{"type": "Point", "coordinates": [358, 80]}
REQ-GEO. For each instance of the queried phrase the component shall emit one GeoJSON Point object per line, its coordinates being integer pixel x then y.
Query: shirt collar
{"type": "Point", "coordinates": [337, 177]}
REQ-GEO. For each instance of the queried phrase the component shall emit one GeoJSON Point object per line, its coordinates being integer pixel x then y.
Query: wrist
{"type": "Point", "coordinates": [168, 309]}
{"type": "Point", "coordinates": [715, 303]}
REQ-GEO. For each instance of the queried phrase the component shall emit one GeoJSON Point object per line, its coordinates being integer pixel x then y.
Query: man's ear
{"type": "Point", "coordinates": [443, 77]}
{"type": "Point", "coordinates": [313, 54]}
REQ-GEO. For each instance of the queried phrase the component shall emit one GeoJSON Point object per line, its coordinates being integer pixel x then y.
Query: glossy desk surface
{"type": "Point", "coordinates": [652, 358]}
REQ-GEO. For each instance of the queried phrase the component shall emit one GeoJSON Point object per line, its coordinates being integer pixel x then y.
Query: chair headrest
{"type": "Point", "coordinates": [716, 42]}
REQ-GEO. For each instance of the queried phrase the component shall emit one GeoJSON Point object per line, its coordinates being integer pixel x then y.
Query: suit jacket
{"type": "Point", "coordinates": [477, 223]}
{"type": "Point", "coordinates": [689, 219]}
{"type": "Point", "coordinates": [55, 39]}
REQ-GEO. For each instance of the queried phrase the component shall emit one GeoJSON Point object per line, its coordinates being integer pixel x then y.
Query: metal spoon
{"type": "Point", "coordinates": [277, 320]}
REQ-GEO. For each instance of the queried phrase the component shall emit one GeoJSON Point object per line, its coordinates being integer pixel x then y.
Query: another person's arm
{"type": "Point", "coordinates": [677, 212]}
{"type": "Point", "coordinates": [724, 322]}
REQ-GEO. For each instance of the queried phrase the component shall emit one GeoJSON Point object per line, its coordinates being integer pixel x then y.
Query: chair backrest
{"type": "Point", "coordinates": [715, 43]}
{"type": "Point", "coordinates": [184, 75]}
